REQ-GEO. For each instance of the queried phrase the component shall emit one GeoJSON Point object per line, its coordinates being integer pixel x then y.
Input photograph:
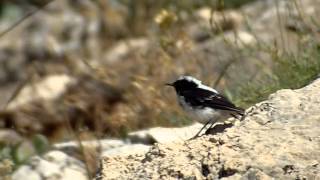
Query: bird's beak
{"type": "Point", "coordinates": [169, 84]}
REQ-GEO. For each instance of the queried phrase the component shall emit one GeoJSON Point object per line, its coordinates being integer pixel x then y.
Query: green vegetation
{"type": "Point", "coordinates": [290, 71]}
{"type": "Point", "coordinates": [19, 153]}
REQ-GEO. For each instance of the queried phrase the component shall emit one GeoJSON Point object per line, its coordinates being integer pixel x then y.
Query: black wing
{"type": "Point", "coordinates": [203, 97]}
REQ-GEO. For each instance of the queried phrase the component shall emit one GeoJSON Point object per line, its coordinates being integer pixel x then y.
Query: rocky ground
{"type": "Point", "coordinates": [63, 159]}
{"type": "Point", "coordinates": [280, 138]}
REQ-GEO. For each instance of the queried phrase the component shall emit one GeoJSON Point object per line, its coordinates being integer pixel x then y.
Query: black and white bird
{"type": "Point", "coordinates": [202, 103]}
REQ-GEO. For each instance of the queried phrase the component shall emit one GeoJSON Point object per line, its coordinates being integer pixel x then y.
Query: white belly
{"type": "Point", "coordinates": [205, 115]}
{"type": "Point", "coordinates": [202, 115]}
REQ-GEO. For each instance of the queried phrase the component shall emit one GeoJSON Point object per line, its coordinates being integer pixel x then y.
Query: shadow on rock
{"type": "Point", "coordinates": [219, 128]}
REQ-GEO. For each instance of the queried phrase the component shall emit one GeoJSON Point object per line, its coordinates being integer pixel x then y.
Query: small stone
{"type": "Point", "coordinates": [26, 173]}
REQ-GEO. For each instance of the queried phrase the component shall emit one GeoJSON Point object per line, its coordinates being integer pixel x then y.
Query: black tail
{"type": "Point", "coordinates": [239, 112]}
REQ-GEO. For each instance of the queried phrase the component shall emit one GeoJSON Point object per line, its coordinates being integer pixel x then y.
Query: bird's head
{"type": "Point", "coordinates": [185, 83]}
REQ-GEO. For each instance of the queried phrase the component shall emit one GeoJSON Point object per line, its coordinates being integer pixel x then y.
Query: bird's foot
{"type": "Point", "coordinates": [196, 136]}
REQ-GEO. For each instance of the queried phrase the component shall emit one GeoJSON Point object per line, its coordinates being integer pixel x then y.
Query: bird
{"type": "Point", "coordinates": [203, 103]}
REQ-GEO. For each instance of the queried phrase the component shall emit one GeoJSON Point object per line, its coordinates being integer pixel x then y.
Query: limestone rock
{"type": "Point", "coordinates": [26, 173]}
{"type": "Point", "coordinates": [126, 150]}
{"type": "Point", "coordinates": [124, 48]}
{"type": "Point", "coordinates": [53, 165]}
{"type": "Point", "coordinates": [73, 146]}
{"type": "Point", "coordinates": [279, 139]}
{"type": "Point", "coordinates": [164, 135]}
{"type": "Point", "coordinates": [47, 89]}
{"type": "Point", "coordinates": [8, 136]}
{"type": "Point", "coordinates": [214, 21]}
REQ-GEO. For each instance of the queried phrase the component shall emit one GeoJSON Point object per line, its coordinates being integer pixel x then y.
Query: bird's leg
{"type": "Point", "coordinates": [243, 117]}
{"type": "Point", "coordinates": [211, 125]}
{"type": "Point", "coordinates": [200, 131]}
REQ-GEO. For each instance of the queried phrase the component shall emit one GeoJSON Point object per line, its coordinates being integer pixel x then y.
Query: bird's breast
{"type": "Point", "coordinates": [201, 114]}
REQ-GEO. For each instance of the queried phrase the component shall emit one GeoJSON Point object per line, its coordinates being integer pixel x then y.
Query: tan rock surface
{"type": "Point", "coordinates": [279, 139]}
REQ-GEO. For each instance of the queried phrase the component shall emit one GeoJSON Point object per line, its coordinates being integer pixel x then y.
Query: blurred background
{"type": "Point", "coordinates": [94, 69]}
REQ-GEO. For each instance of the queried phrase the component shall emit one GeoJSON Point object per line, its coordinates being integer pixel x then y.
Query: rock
{"type": "Point", "coordinates": [49, 88]}
{"type": "Point", "coordinates": [241, 39]}
{"type": "Point", "coordinates": [126, 150]}
{"type": "Point", "coordinates": [164, 135]}
{"type": "Point", "coordinates": [73, 146]}
{"type": "Point", "coordinates": [62, 159]}
{"type": "Point", "coordinates": [46, 107]}
{"type": "Point", "coordinates": [141, 136]}
{"type": "Point", "coordinates": [219, 18]}
{"type": "Point", "coordinates": [279, 139]}
{"type": "Point", "coordinates": [27, 173]}
{"type": "Point", "coordinates": [108, 147]}
{"type": "Point", "coordinates": [53, 165]}
{"type": "Point", "coordinates": [46, 168]}
{"type": "Point", "coordinates": [124, 48]}
{"type": "Point", "coordinates": [220, 21]}
{"type": "Point", "coordinates": [9, 137]}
